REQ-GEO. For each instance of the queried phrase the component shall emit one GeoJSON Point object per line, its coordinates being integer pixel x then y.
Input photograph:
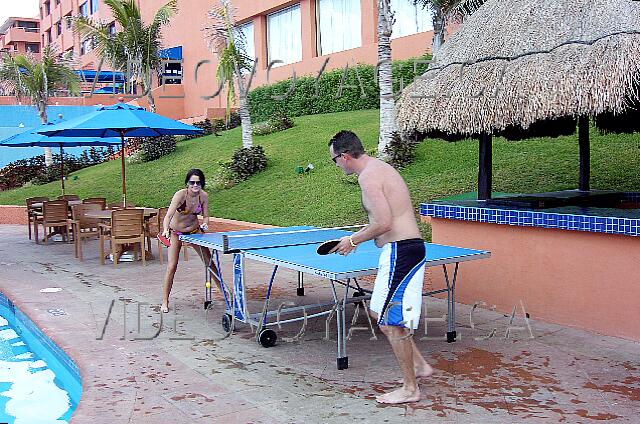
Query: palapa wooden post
{"type": "Point", "coordinates": [585, 160]}
{"type": "Point", "coordinates": [485, 165]}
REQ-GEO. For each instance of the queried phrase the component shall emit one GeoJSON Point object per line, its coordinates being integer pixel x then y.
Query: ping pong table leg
{"type": "Point", "coordinates": [451, 305]}
{"type": "Point", "coordinates": [300, 290]}
{"type": "Point", "coordinates": [342, 359]}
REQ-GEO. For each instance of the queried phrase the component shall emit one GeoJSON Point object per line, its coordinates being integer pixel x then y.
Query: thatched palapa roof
{"type": "Point", "coordinates": [514, 63]}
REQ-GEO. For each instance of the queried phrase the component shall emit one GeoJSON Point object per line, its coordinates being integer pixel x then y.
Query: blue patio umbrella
{"type": "Point", "coordinates": [120, 120]}
{"type": "Point", "coordinates": [31, 138]}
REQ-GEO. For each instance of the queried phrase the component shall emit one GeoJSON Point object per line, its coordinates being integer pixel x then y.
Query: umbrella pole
{"type": "Point", "coordinates": [62, 168]}
{"type": "Point", "coordinates": [124, 179]}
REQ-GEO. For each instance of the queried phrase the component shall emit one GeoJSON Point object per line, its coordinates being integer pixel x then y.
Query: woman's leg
{"type": "Point", "coordinates": [205, 255]}
{"type": "Point", "coordinates": [172, 256]}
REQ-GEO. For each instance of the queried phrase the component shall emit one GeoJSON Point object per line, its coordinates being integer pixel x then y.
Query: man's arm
{"type": "Point", "coordinates": [380, 218]}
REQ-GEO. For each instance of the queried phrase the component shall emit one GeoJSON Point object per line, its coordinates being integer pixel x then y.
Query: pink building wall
{"type": "Point", "coordinates": [187, 26]}
{"type": "Point", "coordinates": [573, 278]}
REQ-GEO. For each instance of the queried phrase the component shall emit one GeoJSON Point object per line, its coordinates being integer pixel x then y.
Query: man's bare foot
{"type": "Point", "coordinates": [164, 308]}
{"type": "Point", "coordinates": [424, 371]}
{"type": "Point", "coordinates": [402, 395]}
{"type": "Point", "coordinates": [421, 372]}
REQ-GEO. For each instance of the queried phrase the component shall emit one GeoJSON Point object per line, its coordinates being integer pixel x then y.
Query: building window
{"type": "Point", "coordinates": [339, 26]}
{"type": "Point", "coordinates": [68, 21]}
{"type": "Point", "coordinates": [48, 36]}
{"type": "Point", "coordinates": [15, 47]}
{"type": "Point", "coordinates": [410, 18]}
{"type": "Point", "coordinates": [94, 6]}
{"type": "Point", "coordinates": [84, 9]}
{"type": "Point", "coordinates": [85, 46]}
{"type": "Point", "coordinates": [57, 2]}
{"type": "Point", "coordinates": [284, 36]}
{"type": "Point", "coordinates": [112, 29]}
{"type": "Point", "coordinates": [247, 34]}
{"type": "Point", "coordinates": [33, 47]}
{"type": "Point", "coordinates": [47, 8]}
{"type": "Point", "coordinates": [59, 28]}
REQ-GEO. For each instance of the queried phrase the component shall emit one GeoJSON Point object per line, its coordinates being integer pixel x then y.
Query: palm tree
{"type": "Point", "coordinates": [230, 46]}
{"type": "Point", "coordinates": [134, 49]}
{"type": "Point", "coordinates": [37, 79]}
{"type": "Point", "coordinates": [385, 80]}
{"type": "Point", "coordinates": [444, 11]}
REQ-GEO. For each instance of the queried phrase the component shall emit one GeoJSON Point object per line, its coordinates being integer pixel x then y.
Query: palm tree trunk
{"type": "Point", "coordinates": [152, 102]}
{"type": "Point", "coordinates": [245, 116]}
{"type": "Point", "coordinates": [439, 29]}
{"type": "Point", "coordinates": [385, 77]}
{"type": "Point", "coordinates": [245, 122]}
{"type": "Point", "coordinates": [42, 113]}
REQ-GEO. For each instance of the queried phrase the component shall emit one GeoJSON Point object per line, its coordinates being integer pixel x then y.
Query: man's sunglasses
{"type": "Point", "coordinates": [335, 158]}
{"type": "Point", "coordinates": [194, 183]}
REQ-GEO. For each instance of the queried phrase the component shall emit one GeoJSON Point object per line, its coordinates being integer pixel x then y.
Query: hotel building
{"type": "Point", "coordinates": [302, 34]}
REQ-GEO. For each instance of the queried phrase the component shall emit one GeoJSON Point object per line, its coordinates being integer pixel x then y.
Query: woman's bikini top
{"type": "Point", "coordinates": [183, 210]}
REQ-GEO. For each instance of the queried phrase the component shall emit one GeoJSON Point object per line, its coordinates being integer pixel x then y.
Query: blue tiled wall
{"type": "Point", "coordinates": [520, 218]}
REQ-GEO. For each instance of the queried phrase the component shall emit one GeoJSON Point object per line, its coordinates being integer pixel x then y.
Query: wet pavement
{"type": "Point", "coordinates": [183, 369]}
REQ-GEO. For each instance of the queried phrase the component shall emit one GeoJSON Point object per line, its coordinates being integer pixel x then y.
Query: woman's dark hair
{"type": "Point", "coordinates": [346, 141]}
{"type": "Point", "coordinates": [197, 172]}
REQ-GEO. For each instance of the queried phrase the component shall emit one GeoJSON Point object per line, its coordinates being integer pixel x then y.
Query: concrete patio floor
{"type": "Point", "coordinates": [191, 373]}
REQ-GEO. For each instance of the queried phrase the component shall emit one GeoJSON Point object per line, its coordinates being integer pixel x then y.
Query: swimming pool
{"type": "Point", "coordinates": [39, 383]}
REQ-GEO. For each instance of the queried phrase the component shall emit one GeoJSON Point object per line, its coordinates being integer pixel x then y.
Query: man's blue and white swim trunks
{"type": "Point", "coordinates": [397, 291]}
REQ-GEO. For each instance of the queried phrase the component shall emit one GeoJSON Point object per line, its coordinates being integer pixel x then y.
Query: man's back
{"type": "Point", "coordinates": [396, 195]}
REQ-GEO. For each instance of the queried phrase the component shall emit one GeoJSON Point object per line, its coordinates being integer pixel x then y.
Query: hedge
{"type": "Point", "coordinates": [330, 93]}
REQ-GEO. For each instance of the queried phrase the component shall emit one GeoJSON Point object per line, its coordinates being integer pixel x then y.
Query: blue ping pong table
{"type": "Point", "coordinates": [294, 248]}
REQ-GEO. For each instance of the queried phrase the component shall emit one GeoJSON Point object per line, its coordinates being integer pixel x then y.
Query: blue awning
{"type": "Point", "coordinates": [173, 53]}
{"type": "Point", "coordinates": [104, 76]}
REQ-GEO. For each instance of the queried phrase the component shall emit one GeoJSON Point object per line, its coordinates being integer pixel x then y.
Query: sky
{"type": "Point", "coordinates": [19, 8]}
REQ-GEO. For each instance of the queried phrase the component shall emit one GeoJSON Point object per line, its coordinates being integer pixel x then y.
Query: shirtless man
{"type": "Point", "coordinates": [397, 293]}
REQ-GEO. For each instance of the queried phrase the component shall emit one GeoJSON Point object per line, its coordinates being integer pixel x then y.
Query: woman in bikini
{"type": "Point", "coordinates": [182, 218]}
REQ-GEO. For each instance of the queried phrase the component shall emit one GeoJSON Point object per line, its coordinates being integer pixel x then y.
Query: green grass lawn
{"type": "Point", "coordinates": [325, 197]}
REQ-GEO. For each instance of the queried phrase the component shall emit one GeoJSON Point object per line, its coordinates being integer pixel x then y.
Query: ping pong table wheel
{"type": "Point", "coordinates": [226, 323]}
{"type": "Point", "coordinates": [343, 363]}
{"type": "Point", "coordinates": [268, 337]}
{"type": "Point", "coordinates": [207, 304]}
{"type": "Point", "coordinates": [300, 291]}
{"type": "Point", "coordinates": [451, 336]}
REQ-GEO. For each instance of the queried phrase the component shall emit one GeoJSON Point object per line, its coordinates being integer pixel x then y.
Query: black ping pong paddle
{"type": "Point", "coordinates": [326, 246]}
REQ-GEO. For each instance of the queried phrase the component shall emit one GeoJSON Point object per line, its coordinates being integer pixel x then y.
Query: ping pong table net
{"type": "Point", "coordinates": [270, 239]}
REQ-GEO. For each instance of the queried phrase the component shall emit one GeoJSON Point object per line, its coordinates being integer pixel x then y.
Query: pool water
{"type": "Point", "coordinates": [38, 382]}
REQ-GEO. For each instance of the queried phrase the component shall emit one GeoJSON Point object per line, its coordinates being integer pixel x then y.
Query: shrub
{"type": "Point", "coordinates": [233, 121]}
{"type": "Point", "coordinates": [279, 122]}
{"type": "Point", "coordinates": [332, 92]}
{"type": "Point", "coordinates": [151, 148]}
{"type": "Point", "coordinates": [247, 162]}
{"type": "Point", "coordinates": [18, 173]}
{"type": "Point", "coordinates": [205, 125]}
{"type": "Point", "coordinates": [401, 152]}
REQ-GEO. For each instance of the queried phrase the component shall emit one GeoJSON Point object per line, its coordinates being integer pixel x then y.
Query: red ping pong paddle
{"type": "Point", "coordinates": [326, 246]}
{"type": "Point", "coordinates": [164, 240]}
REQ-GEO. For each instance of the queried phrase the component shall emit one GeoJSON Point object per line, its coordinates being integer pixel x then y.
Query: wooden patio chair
{"type": "Point", "coordinates": [32, 213]}
{"type": "Point", "coordinates": [126, 228]}
{"type": "Point", "coordinates": [69, 197]}
{"type": "Point", "coordinates": [96, 200]}
{"type": "Point", "coordinates": [55, 214]}
{"type": "Point", "coordinates": [84, 227]}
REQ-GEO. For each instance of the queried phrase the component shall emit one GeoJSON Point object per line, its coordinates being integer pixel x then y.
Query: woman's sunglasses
{"type": "Point", "coordinates": [195, 183]}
